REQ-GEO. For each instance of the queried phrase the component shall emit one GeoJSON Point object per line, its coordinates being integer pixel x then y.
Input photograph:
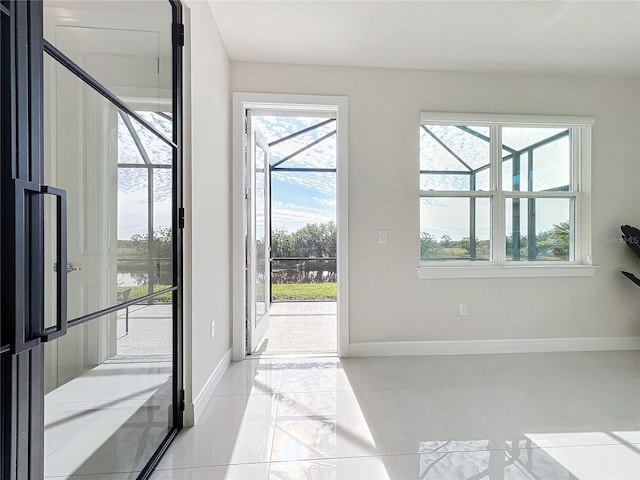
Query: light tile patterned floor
{"type": "Point", "coordinates": [112, 417]}
{"type": "Point", "coordinates": [301, 327]}
{"type": "Point", "coordinates": [561, 416]}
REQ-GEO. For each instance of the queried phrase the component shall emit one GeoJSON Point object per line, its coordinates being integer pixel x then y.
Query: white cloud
{"type": "Point", "coordinates": [322, 183]}
{"type": "Point", "coordinates": [293, 216]}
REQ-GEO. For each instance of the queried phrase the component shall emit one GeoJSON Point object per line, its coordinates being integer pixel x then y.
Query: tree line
{"type": "Point", "coordinates": [133, 256]}
{"type": "Point", "coordinates": [552, 244]}
{"type": "Point", "coordinates": [315, 242]}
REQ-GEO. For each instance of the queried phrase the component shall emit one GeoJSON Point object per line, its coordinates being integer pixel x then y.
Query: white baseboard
{"type": "Point", "coordinates": [465, 347]}
{"type": "Point", "coordinates": [194, 411]}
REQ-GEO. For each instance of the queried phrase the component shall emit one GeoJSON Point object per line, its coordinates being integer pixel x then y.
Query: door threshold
{"type": "Point", "coordinates": [292, 355]}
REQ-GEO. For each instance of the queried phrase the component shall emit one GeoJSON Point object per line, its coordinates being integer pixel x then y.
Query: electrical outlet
{"type": "Point", "coordinates": [462, 308]}
{"type": "Point", "coordinates": [213, 328]}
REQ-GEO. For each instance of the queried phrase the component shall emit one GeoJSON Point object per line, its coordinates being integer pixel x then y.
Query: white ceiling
{"type": "Point", "coordinates": [572, 37]}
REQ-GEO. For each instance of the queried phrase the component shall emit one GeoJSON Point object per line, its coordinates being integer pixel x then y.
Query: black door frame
{"type": "Point", "coordinates": [22, 396]}
{"type": "Point", "coordinates": [22, 239]}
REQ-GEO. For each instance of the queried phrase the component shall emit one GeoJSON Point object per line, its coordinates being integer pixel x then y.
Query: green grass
{"type": "Point", "coordinates": [304, 291]}
{"type": "Point", "coordinates": [142, 290]}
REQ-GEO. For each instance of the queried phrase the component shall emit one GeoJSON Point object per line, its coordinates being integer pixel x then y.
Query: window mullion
{"type": "Point", "coordinates": [498, 228]}
{"type": "Point", "coordinates": [539, 194]}
{"type": "Point", "coordinates": [576, 205]}
{"type": "Point", "coordinates": [455, 194]}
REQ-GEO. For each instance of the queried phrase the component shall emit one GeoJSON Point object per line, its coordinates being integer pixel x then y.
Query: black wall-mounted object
{"type": "Point", "coordinates": [631, 236]}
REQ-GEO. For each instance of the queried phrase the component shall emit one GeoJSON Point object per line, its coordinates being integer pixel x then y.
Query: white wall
{"type": "Point", "coordinates": [387, 301]}
{"type": "Point", "coordinates": [207, 180]}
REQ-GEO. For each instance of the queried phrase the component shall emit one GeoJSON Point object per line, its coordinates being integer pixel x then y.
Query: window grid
{"type": "Point", "coordinates": [499, 197]}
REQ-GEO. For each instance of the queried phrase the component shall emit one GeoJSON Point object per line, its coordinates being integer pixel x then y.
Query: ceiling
{"type": "Point", "coordinates": [561, 37]}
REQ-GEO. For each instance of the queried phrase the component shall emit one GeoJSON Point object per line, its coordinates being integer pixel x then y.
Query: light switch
{"type": "Point", "coordinates": [383, 236]}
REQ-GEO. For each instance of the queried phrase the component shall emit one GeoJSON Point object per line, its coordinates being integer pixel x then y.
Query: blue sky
{"type": "Point", "coordinates": [133, 182]}
{"type": "Point", "coordinates": [450, 216]}
{"type": "Point", "coordinates": [299, 198]}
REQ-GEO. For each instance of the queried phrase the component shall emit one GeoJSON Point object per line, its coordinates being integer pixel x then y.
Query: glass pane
{"type": "Point", "coordinates": [162, 120]}
{"type": "Point", "coordinates": [50, 261]}
{"type": "Point", "coordinates": [301, 198]}
{"type": "Point", "coordinates": [539, 229]}
{"type": "Point", "coordinates": [128, 151]}
{"type": "Point", "coordinates": [445, 182]}
{"type": "Point", "coordinates": [454, 148]}
{"type": "Point", "coordinates": [521, 138]}
{"type": "Point", "coordinates": [515, 180]}
{"type": "Point", "coordinates": [108, 392]}
{"type": "Point", "coordinates": [321, 155]}
{"type": "Point", "coordinates": [111, 209]}
{"type": "Point", "coordinates": [158, 151]}
{"type": "Point", "coordinates": [260, 233]}
{"type": "Point", "coordinates": [132, 233]}
{"type": "Point", "coordinates": [552, 166]}
{"type": "Point", "coordinates": [483, 180]}
{"type": "Point", "coordinates": [126, 46]}
{"type": "Point", "coordinates": [162, 231]}
{"type": "Point", "coordinates": [447, 226]}
{"type": "Point", "coordinates": [544, 156]}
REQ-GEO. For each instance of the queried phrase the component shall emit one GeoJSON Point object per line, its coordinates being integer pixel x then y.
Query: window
{"type": "Point", "coordinates": [503, 192]}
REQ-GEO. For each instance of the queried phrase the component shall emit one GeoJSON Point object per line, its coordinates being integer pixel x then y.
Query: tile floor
{"type": "Point", "coordinates": [112, 417]}
{"type": "Point", "coordinates": [109, 419]}
{"type": "Point", "coordinates": [562, 416]}
{"type": "Point", "coordinates": [301, 327]}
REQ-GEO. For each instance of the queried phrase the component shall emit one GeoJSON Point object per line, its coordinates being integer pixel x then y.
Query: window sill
{"type": "Point", "coordinates": [506, 271]}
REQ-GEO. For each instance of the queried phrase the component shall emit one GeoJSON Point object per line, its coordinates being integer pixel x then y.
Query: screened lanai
{"type": "Point", "coordinates": [144, 206]}
{"type": "Point", "coordinates": [299, 218]}
{"type": "Point", "coordinates": [301, 210]}
{"type": "Point", "coordinates": [458, 186]}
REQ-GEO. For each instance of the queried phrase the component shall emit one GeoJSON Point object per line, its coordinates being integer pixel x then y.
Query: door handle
{"type": "Point", "coordinates": [60, 327]}
{"type": "Point", "coordinates": [70, 267]}
{"type": "Point", "coordinates": [29, 333]}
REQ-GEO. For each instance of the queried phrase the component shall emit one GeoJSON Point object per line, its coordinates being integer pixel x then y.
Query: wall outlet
{"type": "Point", "coordinates": [462, 308]}
{"type": "Point", "coordinates": [213, 328]}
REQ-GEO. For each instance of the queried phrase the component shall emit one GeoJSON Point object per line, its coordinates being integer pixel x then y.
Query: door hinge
{"type": "Point", "coordinates": [181, 217]}
{"type": "Point", "coordinates": [182, 401]}
{"type": "Point", "coordinates": [178, 34]}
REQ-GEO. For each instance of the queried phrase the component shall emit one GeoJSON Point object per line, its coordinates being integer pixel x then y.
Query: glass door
{"type": "Point", "coordinates": [111, 390]}
{"type": "Point", "coordinates": [90, 339]}
{"type": "Point", "coordinates": [258, 236]}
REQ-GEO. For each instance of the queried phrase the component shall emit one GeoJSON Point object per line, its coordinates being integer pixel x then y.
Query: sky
{"type": "Point", "coordinates": [299, 198]}
{"type": "Point", "coordinates": [450, 216]}
{"type": "Point", "coordinates": [132, 182]}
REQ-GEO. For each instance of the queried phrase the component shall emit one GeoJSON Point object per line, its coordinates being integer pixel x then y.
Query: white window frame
{"type": "Point", "coordinates": [581, 265]}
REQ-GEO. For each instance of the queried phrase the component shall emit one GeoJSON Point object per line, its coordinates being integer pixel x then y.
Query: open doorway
{"type": "Point", "coordinates": [293, 232]}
